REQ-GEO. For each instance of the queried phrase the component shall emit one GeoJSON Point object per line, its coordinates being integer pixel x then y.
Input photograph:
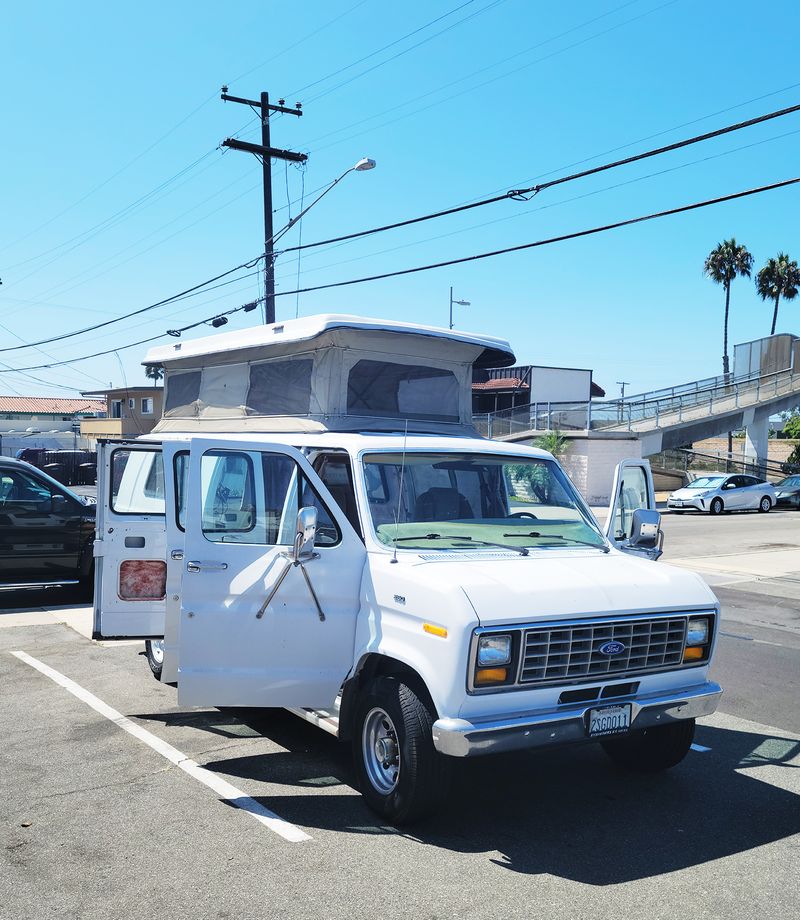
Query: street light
{"type": "Point", "coordinates": [364, 164]}
{"type": "Point", "coordinates": [461, 303]}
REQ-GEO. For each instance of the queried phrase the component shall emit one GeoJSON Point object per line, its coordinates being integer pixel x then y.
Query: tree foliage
{"type": "Point", "coordinates": [780, 277]}
{"type": "Point", "coordinates": [154, 372]}
{"type": "Point", "coordinates": [727, 261]}
{"type": "Point", "coordinates": [555, 442]}
{"type": "Point", "coordinates": [791, 427]}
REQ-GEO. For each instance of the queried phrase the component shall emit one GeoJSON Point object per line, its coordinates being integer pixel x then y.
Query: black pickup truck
{"type": "Point", "coordinates": [46, 530]}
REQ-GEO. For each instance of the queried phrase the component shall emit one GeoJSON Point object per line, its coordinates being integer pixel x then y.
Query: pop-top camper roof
{"type": "Point", "coordinates": [325, 372]}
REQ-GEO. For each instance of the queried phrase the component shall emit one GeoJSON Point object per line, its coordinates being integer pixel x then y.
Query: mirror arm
{"type": "Point", "coordinates": [292, 563]}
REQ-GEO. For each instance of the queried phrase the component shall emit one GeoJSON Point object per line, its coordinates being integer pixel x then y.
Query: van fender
{"type": "Point", "coordinates": [369, 668]}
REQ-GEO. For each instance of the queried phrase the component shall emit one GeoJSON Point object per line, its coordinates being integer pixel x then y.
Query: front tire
{"type": "Point", "coordinates": [400, 773]}
{"type": "Point", "coordinates": [154, 650]}
{"type": "Point", "coordinates": [765, 504]}
{"type": "Point", "coordinates": [716, 506]}
{"type": "Point", "coordinates": [651, 750]}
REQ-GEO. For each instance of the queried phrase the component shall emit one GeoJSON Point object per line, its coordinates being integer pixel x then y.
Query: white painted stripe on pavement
{"type": "Point", "coordinates": [700, 748]}
{"type": "Point", "coordinates": [223, 788]}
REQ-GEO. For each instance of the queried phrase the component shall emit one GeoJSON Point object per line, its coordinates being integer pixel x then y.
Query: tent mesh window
{"type": "Point", "coordinates": [380, 388]}
{"type": "Point", "coordinates": [182, 394]}
{"type": "Point", "coordinates": [280, 387]}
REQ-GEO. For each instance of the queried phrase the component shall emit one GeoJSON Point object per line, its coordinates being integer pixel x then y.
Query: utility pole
{"type": "Point", "coordinates": [622, 384]}
{"type": "Point", "coordinates": [266, 153]}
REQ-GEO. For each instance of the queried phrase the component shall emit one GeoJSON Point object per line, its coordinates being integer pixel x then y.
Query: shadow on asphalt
{"type": "Point", "coordinates": [566, 812]}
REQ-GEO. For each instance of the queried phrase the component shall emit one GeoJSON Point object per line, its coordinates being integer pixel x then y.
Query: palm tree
{"type": "Point", "coordinates": [780, 277]}
{"type": "Point", "coordinates": [724, 263]}
{"type": "Point", "coordinates": [154, 372]}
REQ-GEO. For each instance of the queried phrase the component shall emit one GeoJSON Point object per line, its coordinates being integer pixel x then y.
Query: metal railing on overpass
{"type": "Point", "coordinates": [646, 411]}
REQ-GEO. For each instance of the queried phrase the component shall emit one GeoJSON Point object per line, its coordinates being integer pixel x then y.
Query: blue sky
{"type": "Point", "coordinates": [115, 194]}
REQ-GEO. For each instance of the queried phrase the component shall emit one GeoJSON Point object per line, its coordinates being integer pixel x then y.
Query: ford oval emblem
{"type": "Point", "coordinates": [611, 648]}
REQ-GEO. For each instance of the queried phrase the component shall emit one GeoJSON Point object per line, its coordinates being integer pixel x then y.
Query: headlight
{"type": "Point", "coordinates": [494, 651]}
{"type": "Point", "coordinates": [697, 631]}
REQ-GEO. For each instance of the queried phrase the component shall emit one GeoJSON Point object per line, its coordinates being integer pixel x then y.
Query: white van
{"type": "Point", "coordinates": [315, 524]}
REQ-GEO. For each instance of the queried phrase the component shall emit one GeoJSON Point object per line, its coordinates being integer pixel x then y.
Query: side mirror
{"type": "Point", "coordinates": [645, 528]}
{"type": "Point", "coordinates": [58, 502]}
{"type": "Point", "coordinates": [305, 533]}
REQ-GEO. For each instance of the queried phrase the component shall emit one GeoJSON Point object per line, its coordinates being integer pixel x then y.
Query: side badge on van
{"type": "Point", "coordinates": [611, 648]}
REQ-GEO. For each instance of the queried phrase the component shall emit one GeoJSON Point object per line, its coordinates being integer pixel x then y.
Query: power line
{"type": "Point", "coordinates": [335, 73]}
{"type": "Point", "coordinates": [513, 194]}
{"type": "Point", "coordinates": [545, 207]}
{"type": "Point", "coordinates": [429, 92]}
{"type": "Point", "coordinates": [519, 194]}
{"type": "Point", "coordinates": [471, 89]}
{"type": "Point", "coordinates": [546, 242]}
{"type": "Point", "coordinates": [423, 41]}
{"type": "Point", "coordinates": [298, 42]}
{"type": "Point", "coordinates": [160, 303]}
{"type": "Point", "coordinates": [473, 258]}
{"type": "Point", "coordinates": [85, 235]}
{"type": "Point", "coordinates": [113, 176]}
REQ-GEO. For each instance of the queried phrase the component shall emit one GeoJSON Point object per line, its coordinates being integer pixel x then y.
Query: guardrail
{"type": "Point", "coordinates": [690, 401]}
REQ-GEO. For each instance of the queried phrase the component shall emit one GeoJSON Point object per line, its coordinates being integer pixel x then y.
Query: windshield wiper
{"type": "Point", "coordinates": [555, 536]}
{"type": "Point", "coordinates": [439, 536]}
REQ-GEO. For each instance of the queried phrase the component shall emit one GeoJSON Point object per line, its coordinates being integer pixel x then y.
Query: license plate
{"type": "Point", "coordinates": [610, 720]}
{"type": "Point", "coordinates": [677, 504]}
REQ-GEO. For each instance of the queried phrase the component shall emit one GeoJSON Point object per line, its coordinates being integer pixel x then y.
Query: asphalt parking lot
{"type": "Point", "coordinates": [98, 821]}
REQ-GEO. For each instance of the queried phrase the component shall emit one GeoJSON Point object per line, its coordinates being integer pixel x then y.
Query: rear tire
{"type": "Point", "coordinates": [765, 504]}
{"type": "Point", "coordinates": [400, 773]}
{"type": "Point", "coordinates": [651, 750]}
{"type": "Point", "coordinates": [154, 650]}
{"type": "Point", "coordinates": [716, 506]}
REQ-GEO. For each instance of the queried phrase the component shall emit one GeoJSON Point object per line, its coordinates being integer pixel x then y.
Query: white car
{"type": "Point", "coordinates": [717, 492]}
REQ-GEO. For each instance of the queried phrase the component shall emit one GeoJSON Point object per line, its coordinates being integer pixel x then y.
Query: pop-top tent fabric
{"type": "Point", "coordinates": [326, 372]}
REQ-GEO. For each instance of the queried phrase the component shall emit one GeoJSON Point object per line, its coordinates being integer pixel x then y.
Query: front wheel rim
{"type": "Point", "coordinates": [766, 504]}
{"type": "Point", "coordinates": [157, 651]}
{"type": "Point", "coordinates": [380, 750]}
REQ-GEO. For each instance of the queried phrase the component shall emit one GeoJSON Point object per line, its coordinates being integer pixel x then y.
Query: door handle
{"type": "Point", "coordinates": [176, 554]}
{"type": "Point", "coordinates": [195, 566]}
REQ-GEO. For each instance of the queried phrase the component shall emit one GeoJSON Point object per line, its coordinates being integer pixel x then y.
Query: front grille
{"type": "Point", "coordinates": [573, 652]}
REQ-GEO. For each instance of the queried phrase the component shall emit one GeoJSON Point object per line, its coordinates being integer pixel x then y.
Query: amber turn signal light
{"type": "Point", "coordinates": [694, 654]}
{"type": "Point", "coordinates": [491, 675]}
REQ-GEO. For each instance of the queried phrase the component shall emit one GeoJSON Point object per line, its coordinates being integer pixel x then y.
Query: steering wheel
{"type": "Point", "coordinates": [523, 514]}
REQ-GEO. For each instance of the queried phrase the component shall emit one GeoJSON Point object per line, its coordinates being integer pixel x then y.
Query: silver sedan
{"type": "Point", "coordinates": [717, 492]}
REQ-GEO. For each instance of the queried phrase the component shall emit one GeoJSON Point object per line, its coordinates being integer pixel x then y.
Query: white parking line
{"type": "Point", "coordinates": [223, 789]}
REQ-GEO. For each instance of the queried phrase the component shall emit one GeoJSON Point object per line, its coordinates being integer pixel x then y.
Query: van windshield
{"type": "Point", "coordinates": [468, 501]}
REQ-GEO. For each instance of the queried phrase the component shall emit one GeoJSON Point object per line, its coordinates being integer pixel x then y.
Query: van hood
{"type": "Point", "coordinates": [552, 586]}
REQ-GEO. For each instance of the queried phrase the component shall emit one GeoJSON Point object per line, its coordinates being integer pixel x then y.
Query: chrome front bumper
{"type": "Point", "coordinates": [462, 738]}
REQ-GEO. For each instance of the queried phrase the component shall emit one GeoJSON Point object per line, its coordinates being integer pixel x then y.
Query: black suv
{"type": "Point", "coordinates": [46, 531]}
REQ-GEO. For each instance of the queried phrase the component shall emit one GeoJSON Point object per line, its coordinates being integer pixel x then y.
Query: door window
{"type": "Point", "coordinates": [255, 497]}
{"type": "Point", "coordinates": [633, 495]}
{"type": "Point", "coordinates": [21, 492]}
{"type": "Point", "coordinates": [181, 470]}
{"type": "Point", "coordinates": [137, 482]}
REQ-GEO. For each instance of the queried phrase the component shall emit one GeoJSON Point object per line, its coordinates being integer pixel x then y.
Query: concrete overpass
{"type": "Point", "coordinates": [602, 432]}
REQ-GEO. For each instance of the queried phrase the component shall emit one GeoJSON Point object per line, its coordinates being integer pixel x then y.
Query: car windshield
{"type": "Point", "coordinates": [706, 482]}
{"type": "Point", "coordinates": [437, 501]}
{"type": "Point", "coordinates": [791, 482]}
